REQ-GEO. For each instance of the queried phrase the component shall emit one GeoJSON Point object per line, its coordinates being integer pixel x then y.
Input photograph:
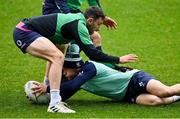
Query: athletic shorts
{"type": "Point", "coordinates": [50, 10]}
{"type": "Point", "coordinates": [23, 37]}
{"type": "Point", "coordinates": [137, 86]}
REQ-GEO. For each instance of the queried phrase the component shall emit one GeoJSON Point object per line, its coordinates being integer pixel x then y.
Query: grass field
{"type": "Point", "coordinates": [149, 28]}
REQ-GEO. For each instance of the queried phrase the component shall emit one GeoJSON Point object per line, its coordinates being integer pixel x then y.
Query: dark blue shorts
{"type": "Point", "coordinates": [50, 10]}
{"type": "Point", "coordinates": [23, 37]}
{"type": "Point", "coordinates": [137, 86]}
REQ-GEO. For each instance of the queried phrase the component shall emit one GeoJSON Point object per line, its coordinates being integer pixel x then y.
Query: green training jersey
{"type": "Point", "coordinates": [67, 21]}
{"type": "Point", "coordinates": [108, 82]}
{"type": "Point", "coordinates": [63, 28]}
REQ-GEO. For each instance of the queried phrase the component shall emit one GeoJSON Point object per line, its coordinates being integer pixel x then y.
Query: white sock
{"type": "Point", "coordinates": [55, 96]}
{"type": "Point", "coordinates": [46, 80]}
{"type": "Point", "coordinates": [176, 98]}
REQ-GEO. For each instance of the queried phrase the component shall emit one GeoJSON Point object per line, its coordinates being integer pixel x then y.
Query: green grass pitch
{"type": "Point", "coordinates": [149, 28]}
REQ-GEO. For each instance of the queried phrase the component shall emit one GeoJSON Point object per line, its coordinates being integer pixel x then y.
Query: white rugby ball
{"type": "Point", "coordinates": [35, 98]}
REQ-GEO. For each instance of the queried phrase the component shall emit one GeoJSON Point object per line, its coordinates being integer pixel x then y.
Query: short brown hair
{"type": "Point", "coordinates": [94, 12]}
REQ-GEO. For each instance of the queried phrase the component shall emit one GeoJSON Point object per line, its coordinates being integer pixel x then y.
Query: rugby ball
{"type": "Point", "coordinates": [35, 98]}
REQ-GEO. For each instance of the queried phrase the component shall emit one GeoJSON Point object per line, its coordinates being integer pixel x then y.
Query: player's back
{"type": "Point", "coordinates": [109, 82]}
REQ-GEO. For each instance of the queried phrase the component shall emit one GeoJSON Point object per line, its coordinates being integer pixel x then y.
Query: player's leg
{"type": "Point", "coordinates": [46, 80]}
{"type": "Point", "coordinates": [38, 46]}
{"type": "Point", "coordinates": [49, 9]}
{"type": "Point", "coordinates": [63, 49]}
{"type": "Point", "coordinates": [44, 48]}
{"type": "Point", "coordinates": [152, 100]}
{"type": "Point", "coordinates": [157, 88]}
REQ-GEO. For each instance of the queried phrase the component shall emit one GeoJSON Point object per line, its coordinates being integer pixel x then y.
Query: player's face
{"type": "Point", "coordinates": [70, 73]}
{"type": "Point", "coordinates": [94, 25]}
{"type": "Point", "coordinates": [97, 23]}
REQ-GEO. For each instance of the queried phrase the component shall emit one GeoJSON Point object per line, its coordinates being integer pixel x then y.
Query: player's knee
{"type": "Point", "coordinates": [96, 42]}
{"type": "Point", "coordinates": [156, 101]}
{"type": "Point", "coordinates": [96, 35]}
{"type": "Point", "coordinates": [96, 38]}
{"type": "Point", "coordinates": [58, 58]}
{"type": "Point", "coordinates": [165, 92]}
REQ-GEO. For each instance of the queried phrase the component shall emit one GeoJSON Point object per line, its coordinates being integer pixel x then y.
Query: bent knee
{"type": "Point", "coordinates": [57, 57]}
{"type": "Point", "coordinates": [156, 101]}
{"type": "Point", "coordinates": [96, 39]}
{"type": "Point", "coordinates": [95, 36]}
{"type": "Point", "coordinates": [165, 92]}
{"type": "Point", "coordinates": [149, 100]}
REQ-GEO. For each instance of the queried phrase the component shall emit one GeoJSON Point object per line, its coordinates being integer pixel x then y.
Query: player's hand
{"type": "Point", "coordinates": [108, 22]}
{"type": "Point", "coordinates": [128, 58]}
{"type": "Point", "coordinates": [40, 88]}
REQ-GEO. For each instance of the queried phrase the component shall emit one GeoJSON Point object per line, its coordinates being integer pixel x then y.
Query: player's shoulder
{"type": "Point", "coordinates": [90, 64]}
{"type": "Point", "coordinates": [89, 67]}
{"type": "Point", "coordinates": [99, 66]}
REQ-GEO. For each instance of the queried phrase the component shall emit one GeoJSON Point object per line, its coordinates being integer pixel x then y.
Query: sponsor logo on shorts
{"type": "Point", "coordinates": [141, 84]}
{"type": "Point", "coordinates": [20, 44]}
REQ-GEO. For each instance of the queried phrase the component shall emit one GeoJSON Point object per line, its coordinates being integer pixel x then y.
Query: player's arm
{"type": "Point", "coordinates": [78, 30]}
{"type": "Point", "coordinates": [82, 38]}
{"type": "Point", "coordinates": [70, 87]}
{"type": "Point", "coordinates": [62, 6]}
{"type": "Point", "coordinates": [97, 55]}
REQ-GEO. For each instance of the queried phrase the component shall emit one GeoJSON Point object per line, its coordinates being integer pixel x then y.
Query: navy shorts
{"type": "Point", "coordinates": [50, 10]}
{"type": "Point", "coordinates": [23, 37]}
{"type": "Point", "coordinates": [137, 86]}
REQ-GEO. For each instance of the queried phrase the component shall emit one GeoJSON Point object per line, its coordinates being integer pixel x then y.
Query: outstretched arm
{"type": "Point", "coordinates": [82, 38]}
{"type": "Point", "coordinates": [70, 87]}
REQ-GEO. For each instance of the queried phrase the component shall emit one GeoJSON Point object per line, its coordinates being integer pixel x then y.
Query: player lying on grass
{"type": "Point", "coordinates": [133, 85]}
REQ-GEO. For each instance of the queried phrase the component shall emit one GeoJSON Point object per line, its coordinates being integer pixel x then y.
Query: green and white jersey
{"type": "Point", "coordinates": [109, 82]}
{"type": "Point", "coordinates": [66, 23]}
{"type": "Point", "coordinates": [61, 28]}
